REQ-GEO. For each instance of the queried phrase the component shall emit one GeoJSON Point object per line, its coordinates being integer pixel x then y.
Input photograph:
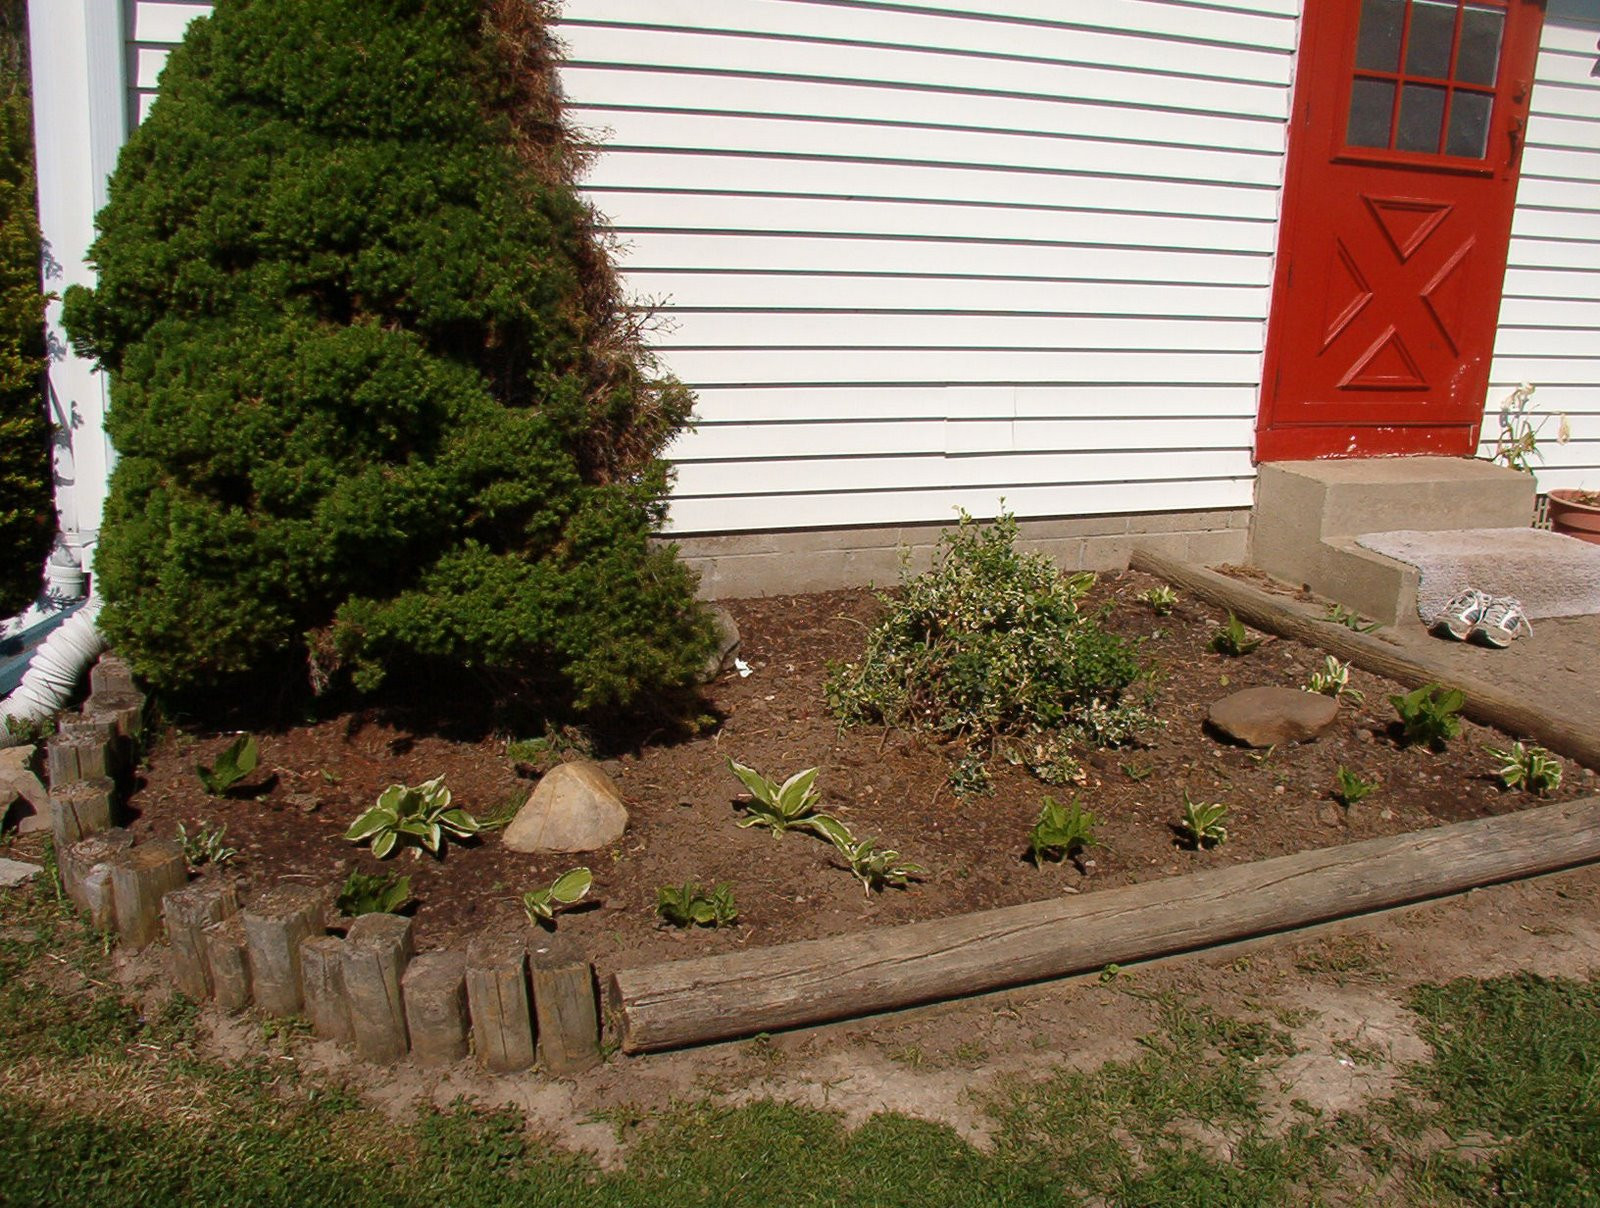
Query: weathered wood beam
{"type": "Point", "coordinates": [790, 985]}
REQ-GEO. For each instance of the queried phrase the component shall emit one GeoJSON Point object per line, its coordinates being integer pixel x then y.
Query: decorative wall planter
{"type": "Point", "coordinates": [1576, 513]}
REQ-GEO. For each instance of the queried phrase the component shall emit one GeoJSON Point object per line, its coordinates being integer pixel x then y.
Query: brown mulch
{"type": "Point", "coordinates": [315, 778]}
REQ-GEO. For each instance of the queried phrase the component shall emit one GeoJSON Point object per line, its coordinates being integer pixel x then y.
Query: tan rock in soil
{"type": "Point", "coordinates": [18, 781]}
{"type": "Point", "coordinates": [575, 807]}
{"type": "Point", "coordinates": [1269, 717]}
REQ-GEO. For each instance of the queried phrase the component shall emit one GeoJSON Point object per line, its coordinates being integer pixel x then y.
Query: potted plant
{"type": "Point", "coordinates": [1576, 513]}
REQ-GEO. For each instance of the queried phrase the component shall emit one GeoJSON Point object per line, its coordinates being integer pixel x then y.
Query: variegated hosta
{"type": "Point", "coordinates": [567, 889]}
{"type": "Point", "coordinates": [876, 866]}
{"type": "Point", "coordinates": [791, 805]}
{"type": "Point", "coordinates": [420, 813]}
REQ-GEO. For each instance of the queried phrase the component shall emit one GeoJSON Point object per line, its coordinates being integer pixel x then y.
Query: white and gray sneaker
{"type": "Point", "coordinates": [1457, 618]}
{"type": "Point", "coordinates": [1502, 622]}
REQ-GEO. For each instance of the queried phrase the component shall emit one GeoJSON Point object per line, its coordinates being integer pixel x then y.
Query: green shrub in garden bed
{"type": "Point", "coordinates": [994, 649]}
{"type": "Point", "coordinates": [376, 401]}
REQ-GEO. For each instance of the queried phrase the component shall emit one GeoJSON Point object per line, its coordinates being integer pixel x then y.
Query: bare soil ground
{"type": "Point", "coordinates": [315, 778]}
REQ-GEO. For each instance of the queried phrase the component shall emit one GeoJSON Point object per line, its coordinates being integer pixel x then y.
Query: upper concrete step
{"type": "Point", "coordinates": [1307, 512]}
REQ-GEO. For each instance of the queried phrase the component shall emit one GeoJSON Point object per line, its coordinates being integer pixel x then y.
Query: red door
{"type": "Point", "coordinates": [1402, 173]}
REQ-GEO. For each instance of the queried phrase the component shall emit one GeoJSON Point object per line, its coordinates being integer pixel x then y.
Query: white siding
{"type": "Point", "coordinates": [914, 256]}
{"type": "Point", "coordinates": [1550, 314]}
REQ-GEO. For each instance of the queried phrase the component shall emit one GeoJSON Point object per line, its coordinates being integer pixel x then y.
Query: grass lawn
{"type": "Point", "coordinates": [99, 1105]}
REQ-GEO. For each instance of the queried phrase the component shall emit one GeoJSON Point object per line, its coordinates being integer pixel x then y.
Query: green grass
{"type": "Point", "coordinates": [100, 1106]}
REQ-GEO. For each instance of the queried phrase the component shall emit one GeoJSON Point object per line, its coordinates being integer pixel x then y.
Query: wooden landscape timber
{"type": "Point", "coordinates": [188, 913]}
{"type": "Point", "coordinates": [1577, 737]}
{"type": "Point", "coordinates": [814, 981]}
{"type": "Point", "coordinates": [141, 877]}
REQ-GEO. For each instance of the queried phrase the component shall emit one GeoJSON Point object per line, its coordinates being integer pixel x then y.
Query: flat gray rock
{"type": "Point", "coordinates": [575, 807]}
{"type": "Point", "coordinates": [15, 872]}
{"type": "Point", "coordinates": [1270, 717]}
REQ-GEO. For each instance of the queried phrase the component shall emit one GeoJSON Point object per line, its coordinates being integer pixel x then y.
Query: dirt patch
{"type": "Point", "coordinates": [315, 778]}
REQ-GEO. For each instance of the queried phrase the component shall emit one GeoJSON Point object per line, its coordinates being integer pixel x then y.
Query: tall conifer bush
{"type": "Point", "coordinates": [27, 519]}
{"type": "Point", "coordinates": [375, 399]}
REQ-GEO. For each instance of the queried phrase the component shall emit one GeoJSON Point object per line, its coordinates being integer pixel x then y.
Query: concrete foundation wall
{"type": "Point", "coordinates": [755, 564]}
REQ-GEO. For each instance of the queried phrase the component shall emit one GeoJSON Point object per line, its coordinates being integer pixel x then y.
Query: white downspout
{"type": "Point", "coordinates": [79, 57]}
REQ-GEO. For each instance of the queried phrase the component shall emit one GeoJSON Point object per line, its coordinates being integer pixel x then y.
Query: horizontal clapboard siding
{"type": "Point", "coordinates": [1550, 313]}
{"type": "Point", "coordinates": [914, 256]}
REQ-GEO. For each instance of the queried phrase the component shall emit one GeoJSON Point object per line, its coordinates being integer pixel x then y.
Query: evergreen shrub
{"type": "Point", "coordinates": [993, 648]}
{"type": "Point", "coordinates": [376, 400]}
{"type": "Point", "coordinates": [27, 517]}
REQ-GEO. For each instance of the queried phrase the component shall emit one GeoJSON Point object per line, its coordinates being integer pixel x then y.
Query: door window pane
{"type": "Point", "coordinates": [1371, 106]}
{"type": "Point", "coordinates": [1378, 43]}
{"type": "Point", "coordinates": [1469, 124]}
{"type": "Point", "coordinates": [1433, 30]}
{"type": "Point", "coordinates": [1479, 59]}
{"type": "Point", "coordinates": [1421, 118]}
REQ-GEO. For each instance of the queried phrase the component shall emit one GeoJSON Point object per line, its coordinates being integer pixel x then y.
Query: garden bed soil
{"type": "Point", "coordinates": [289, 819]}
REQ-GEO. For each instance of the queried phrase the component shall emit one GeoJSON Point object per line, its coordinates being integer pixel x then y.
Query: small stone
{"type": "Point", "coordinates": [728, 641]}
{"type": "Point", "coordinates": [306, 803]}
{"type": "Point", "coordinates": [15, 872]}
{"type": "Point", "coordinates": [1270, 717]}
{"type": "Point", "coordinates": [575, 807]}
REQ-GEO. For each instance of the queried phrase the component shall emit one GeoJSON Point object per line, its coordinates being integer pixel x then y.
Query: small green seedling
{"type": "Point", "coordinates": [1137, 771]}
{"type": "Point", "coordinates": [970, 777]}
{"type": "Point", "coordinates": [1350, 788]}
{"type": "Point", "coordinates": [566, 890]}
{"type": "Point", "coordinates": [1532, 769]}
{"type": "Point", "coordinates": [372, 893]}
{"type": "Point", "coordinates": [1338, 614]}
{"type": "Point", "coordinates": [1333, 679]}
{"type": "Point", "coordinates": [1202, 823]}
{"type": "Point", "coordinates": [876, 867]}
{"type": "Point", "coordinates": [1161, 600]}
{"type": "Point", "coordinates": [1430, 715]}
{"type": "Point", "coordinates": [236, 762]}
{"type": "Point", "coordinates": [789, 806]}
{"type": "Point", "coordinates": [1233, 639]}
{"type": "Point", "coordinates": [691, 906]}
{"type": "Point", "coordinates": [421, 812]}
{"type": "Point", "coordinates": [205, 846]}
{"type": "Point", "coordinates": [1062, 831]}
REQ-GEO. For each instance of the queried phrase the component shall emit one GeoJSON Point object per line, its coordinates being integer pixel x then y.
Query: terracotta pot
{"type": "Point", "coordinates": [1576, 519]}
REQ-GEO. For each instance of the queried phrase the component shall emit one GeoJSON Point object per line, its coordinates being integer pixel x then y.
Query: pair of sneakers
{"type": "Point", "coordinates": [1497, 620]}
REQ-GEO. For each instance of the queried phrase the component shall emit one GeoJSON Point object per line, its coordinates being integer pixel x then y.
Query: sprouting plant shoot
{"type": "Point", "coordinates": [1350, 788]}
{"type": "Point", "coordinates": [1333, 679]}
{"type": "Point", "coordinates": [876, 866]}
{"type": "Point", "coordinates": [791, 805]}
{"type": "Point", "coordinates": [1532, 769]}
{"type": "Point", "coordinates": [237, 760]}
{"type": "Point", "coordinates": [205, 846]}
{"type": "Point", "coordinates": [372, 893]}
{"type": "Point", "coordinates": [1202, 823]}
{"type": "Point", "coordinates": [420, 813]}
{"type": "Point", "coordinates": [1062, 831]}
{"type": "Point", "coordinates": [1160, 600]}
{"type": "Point", "coordinates": [566, 890]}
{"type": "Point", "coordinates": [1429, 715]}
{"type": "Point", "coordinates": [1233, 639]}
{"type": "Point", "coordinates": [691, 906]}
{"type": "Point", "coordinates": [1338, 614]}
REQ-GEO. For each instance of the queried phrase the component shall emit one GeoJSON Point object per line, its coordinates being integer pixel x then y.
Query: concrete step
{"type": "Point", "coordinates": [1308, 514]}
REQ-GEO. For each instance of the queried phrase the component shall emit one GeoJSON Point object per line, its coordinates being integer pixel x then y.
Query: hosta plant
{"type": "Point", "coordinates": [1532, 769]}
{"type": "Point", "coordinates": [372, 893]}
{"type": "Point", "coordinates": [1233, 639]}
{"type": "Point", "coordinates": [541, 905]}
{"type": "Point", "coordinates": [1350, 788]}
{"type": "Point", "coordinates": [876, 866]}
{"type": "Point", "coordinates": [1062, 831]}
{"type": "Point", "coordinates": [238, 760]}
{"type": "Point", "coordinates": [1430, 715]}
{"type": "Point", "coordinates": [1161, 600]}
{"type": "Point", "coordinates": [1202, 822]}
{"type": "Point", "coordinates": [689, 905]}
{"type": "Point", "coordinates": [206, 846]}
{"type": "Point", "coordinates": [1333, 679]}
{"type": "Point", "coordinates": [791, 805]}
{"type": "Point", "coordinates": [421, 814]}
